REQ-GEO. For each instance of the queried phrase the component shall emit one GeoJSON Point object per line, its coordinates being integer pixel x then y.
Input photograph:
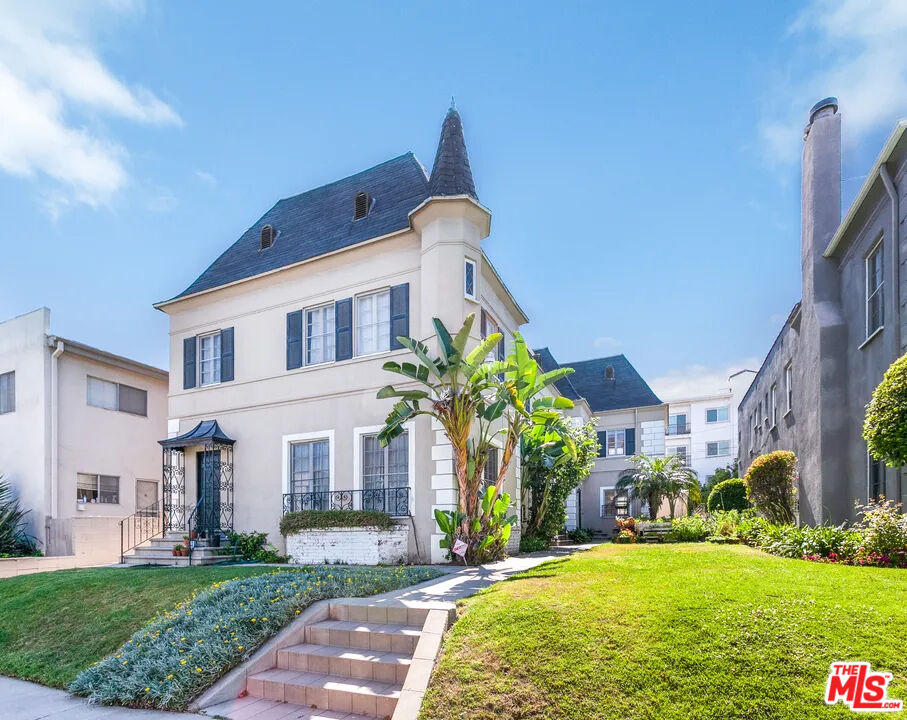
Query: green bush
{"type": "Point", "coordinates": [579, 535]}
{"type": "Point", "coordinates": [725, 524]}
{"type": "Point", "coordinates": [254, 547]}
{"type": "Point", "coordinates": [728, 495]}
{"type": "Point", "coordinates": [883, 529]}
{"type": "Point", "coordinates": [14, 540]}
{"type": "Point", "coordinates": [770, 486]}
{"type": "Point", "coordinates": [692, 528]}
{"type": "Point", "coordinates": [183, 651]}
{"type": "Point", "coordinates": [885, 424]}
{"type": "Point", "coordinates": [532, 544]}
{"type": "Point", "coordinates": [312, 519]}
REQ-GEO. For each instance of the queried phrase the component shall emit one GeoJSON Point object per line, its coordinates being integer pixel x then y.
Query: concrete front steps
{"type": "Point", "coordinates": [354, 662]}
{"type": "Point", "coordinates": [159, 551]}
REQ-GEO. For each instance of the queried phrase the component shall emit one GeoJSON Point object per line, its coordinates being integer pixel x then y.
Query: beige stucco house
{"type": "Point", "coordinates": [277, 349]}
{"type": "Point", "coordinates": [78, 432]}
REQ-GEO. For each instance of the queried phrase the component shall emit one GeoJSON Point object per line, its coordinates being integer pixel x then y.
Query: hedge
{"type": "Point", "coordinates": [729, 494]}
{"type": "Point", "coordinates": [313, 519]}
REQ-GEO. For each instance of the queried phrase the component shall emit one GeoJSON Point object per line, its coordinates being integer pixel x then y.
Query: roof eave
{"type": "Point", "coordinates": [873, 175]}
{"type": "Point", "coordinates": [108, 358]}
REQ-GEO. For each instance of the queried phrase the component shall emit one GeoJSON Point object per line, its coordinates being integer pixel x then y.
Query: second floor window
{"type": "Point", "coordinates": [209, 359]}
{"type": "Point", "coordinates": [469, 279]}
{"type": "Point", "coordinates": [713, 415]}
{"type": "Point", "coordinates": [7, 392]}
{"type": "Point", "coordinates": [681, 452]}
{"type": "Point", "coordinates": [115, 396]}
{"type": "Point", "coordinates": [875, 284]}
{"type": "Point", "coordinates": [616, 442]}
{"type": "Point", "coordinates": [373, 323]}
{"type": "Point", "coordinates": [677, 424]}
{"type": "Point", "coordinates": [774, 396]}
{"type": "Point", "coordinates": [789, 386]}
{"type": "Point", "coordinates": [715, 449]}
{"type": "Point", "coordinates": [319, 335]}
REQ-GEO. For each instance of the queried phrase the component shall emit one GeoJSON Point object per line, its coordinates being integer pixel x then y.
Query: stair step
{"type": "Point", "coordinates": [364, 635]}
{"type": "Point", "coordinates": [333, 692]}
{"type": "Point", "coordinates": [393, 614]}
{"type": "Point", "coordinates": [255, 708]}
{"type": "Point", "coordinates": [386, 667]}
{"type": "Point", "coordinates": [170, 559]}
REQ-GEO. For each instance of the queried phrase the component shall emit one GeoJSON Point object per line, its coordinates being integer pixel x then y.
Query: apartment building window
{"type": "Point", "coordinates": [469, 279]}
{"type": "Point", "coordinates": [7, 392]}
{"type": "Point", "coordinates": [876, 478]}
{"type": "Point", "coordinates": [490, 471]}
{"type": "Point", "coordinates": [875, 295]}
{"type": "Point", "coordinates": [116, 396]}
{"type": "Point", "coordinates": [384, 468]}
{"type": "Point", "coordinates": [718, 448]}
{"type": "Point", "coordinates": [681, 451]}
{"type": "Point", "coordinates": [319, 335]}
{"type": "Point", "coordinates": [677, 424]}
{"type": "Point", "coordinates": [774, 396]}
{"type": "Point", "coordinates": [209, 359]}
{"type": "Point", "coordinates": [101, 489]}
{"type": "Point", "coordinates": [766, 407]}
{"type": "Point", "coordinates": [489, 327]}
{"type": "Point", "coordinates": [789, 386]}
{"type": "Point", "coordinates": [310, 469]}
{"type": "Point", "coordinates": [373, 323]}
{"type": "Point", "coordinates": [614, 503]}
{"type": "Point", "coordinates": [616, 442]}
{"type": "Point", "coordinates": [714, 415]}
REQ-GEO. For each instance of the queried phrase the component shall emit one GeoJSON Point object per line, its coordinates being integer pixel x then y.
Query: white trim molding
{"type": "Point", "coordinates": [288, 440]}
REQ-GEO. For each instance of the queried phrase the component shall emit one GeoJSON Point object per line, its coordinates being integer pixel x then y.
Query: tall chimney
{"type": "Point", "coordinates": [820, 199]}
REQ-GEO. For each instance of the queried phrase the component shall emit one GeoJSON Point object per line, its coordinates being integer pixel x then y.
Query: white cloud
{"type": "Point", "coordinates": [53, 87]}
{"type": "Point", "coordinates": [698, 380]}
{"type": "Point", "coordinates": [206, 177]}
{"type": "Point", "coordinates": [606, 343]}
{"type": "Point", "coordinates": [860, 50]}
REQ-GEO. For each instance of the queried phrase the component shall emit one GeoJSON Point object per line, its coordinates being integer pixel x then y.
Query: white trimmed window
{"type": "Point", "coordinates": [469, 279]}
{"type": "Point", "coordinates": [875, 289]}
{"type": "Point", "coordinates": [714, 415]}
{"type": "Point", "coordinates": [789, 386]}
{"type": "Point", "coordinates": [7, 392]}
{"type": "Point", "coordinates": [373, 323]}
{"type": "Point", "coordinates": [718, 448]}
{"type": "Point", "coordinates": [99, 489]}
{"type": "Point", "coordinates": [385, 469]}
{"type": "Point", "coordinates": [209, 359]}
{"type": "Point", "coordinates": [680, 451]}
{"type": "Point", "coordinates": [310, 467]}
{"type": "Point", "coordinates": [774, 396]}
{"type": "Point", "coordinates": [319, 335]}
{"type": "Point", "coordinates": [615, 443]}
{"type": "Point", "coordinates": [115, 396]}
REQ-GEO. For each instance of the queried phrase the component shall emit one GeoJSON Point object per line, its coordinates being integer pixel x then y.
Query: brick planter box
{"type": "Point", "coordinates": [349, 545]}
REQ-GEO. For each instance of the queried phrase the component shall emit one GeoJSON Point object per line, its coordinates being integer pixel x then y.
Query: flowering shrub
{"type": "Point", "coordinates": [183, 651]}
{"type": "Point", "coordinates": [882, 527]}
{"type": "Point", "coordinates": [771, 485]}
{"type": "Point", "coordinates": [625, 536]}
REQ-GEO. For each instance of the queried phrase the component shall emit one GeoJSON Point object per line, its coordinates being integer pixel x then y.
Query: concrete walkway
{"type": "Point", "coordinates": [20, 700]}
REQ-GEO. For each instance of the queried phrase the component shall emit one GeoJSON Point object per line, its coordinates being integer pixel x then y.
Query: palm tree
{"type": "Point", "coordinates": [653, 478]}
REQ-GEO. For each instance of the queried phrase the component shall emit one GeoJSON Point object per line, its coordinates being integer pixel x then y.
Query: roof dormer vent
{"type": "Point", "coordinates": [267, 237]}
{"type": "Point", "coordinates": [609, 372]}
{"type": "Point", "coordinates": [363, 205]}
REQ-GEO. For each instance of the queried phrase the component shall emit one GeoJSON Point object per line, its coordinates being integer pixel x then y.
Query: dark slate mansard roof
{"type": "Point", "coordinates": [547, 363]}
{"type": "Point", "coordinates": [626, 390]}
{"type": "Point", "coordinates": [321, 221]}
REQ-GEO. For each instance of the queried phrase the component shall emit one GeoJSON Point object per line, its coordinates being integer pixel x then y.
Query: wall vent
{"type": "Point", "coordinates": [609, 372]}
{"type": "Point", "coordinates": [267, 237]}
{"type": "Point", "coordinates": [363, 204]}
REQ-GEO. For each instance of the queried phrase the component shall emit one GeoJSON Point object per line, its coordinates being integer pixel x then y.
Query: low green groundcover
{"type": "Point", "coordinates": [313, 519]}
{"type": "Point", "coordinates": [181, 652]}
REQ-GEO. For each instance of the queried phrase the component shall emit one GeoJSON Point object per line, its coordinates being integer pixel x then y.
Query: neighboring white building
{"type": "Point", "coordinates": [703, 430]}
{"type": "Point", "coordinates": [78, 437]}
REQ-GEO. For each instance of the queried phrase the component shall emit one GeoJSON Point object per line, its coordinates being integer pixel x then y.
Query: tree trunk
{"type": "Point", "coordinates": [653, 507]}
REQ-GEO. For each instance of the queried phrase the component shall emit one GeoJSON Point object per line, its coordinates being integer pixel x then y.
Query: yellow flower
{"type": "Point", "coordinates": [125, 662]}
{"type": "Point", "coordinates": [240, 647]}
{"type": "Point", "coordinates": [147, 689]}
{"type": "Point", "coordinates": [198, 669]}
{"type": "Point", "coordinates": [253, 619]}
{"type": "Point", "coordinates": [183, 661]}
{"type": "Point", "coordinates": [170, 677]}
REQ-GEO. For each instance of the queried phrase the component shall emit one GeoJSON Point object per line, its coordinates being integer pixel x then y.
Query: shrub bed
{"type": "Point", "coordinates": [315, 519]}
{"type": "Point", "coordinates": [180, 653]}
{"type": "Point", "coordinates": [728, 495]}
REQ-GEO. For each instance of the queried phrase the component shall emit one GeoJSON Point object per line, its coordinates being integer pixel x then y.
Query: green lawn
{"type": "Point", "coordinates": [669, 631]}
{"type": "Point", "coordinates": [54, 624]}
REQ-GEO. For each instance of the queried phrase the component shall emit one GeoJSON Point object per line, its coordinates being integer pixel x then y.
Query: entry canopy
{"type": "Point", "coordinates": [205, 433]}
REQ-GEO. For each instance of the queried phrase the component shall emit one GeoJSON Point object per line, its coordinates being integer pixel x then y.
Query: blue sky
{"type": "Point", "coordinates": [641, 160]}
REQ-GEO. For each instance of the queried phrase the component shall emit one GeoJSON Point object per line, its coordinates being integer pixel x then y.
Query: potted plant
{"type": "Point", "coordinates": [176, 550]}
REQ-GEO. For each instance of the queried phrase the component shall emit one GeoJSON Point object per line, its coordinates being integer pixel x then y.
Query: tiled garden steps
{"type": "Point", "coordinates": [254, 708]}
{"type": "Point", "coordinates": [355, 661]}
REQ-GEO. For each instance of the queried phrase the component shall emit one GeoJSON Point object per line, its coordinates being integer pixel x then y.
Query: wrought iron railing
{"type": "Point", "coordinates": [678, 428]}
{"type": "Point", "coordinates": [142, 525]}
{"type": "Point", "coordinates": [615, 509]}
{"type": "Point", "coordinates": [394, 501]}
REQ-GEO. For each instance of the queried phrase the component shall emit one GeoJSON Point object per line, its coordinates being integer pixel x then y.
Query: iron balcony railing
{"type": "Point", "coordinates": [394, 501]}
{"type": "Point", "coordinates": [678, 428]}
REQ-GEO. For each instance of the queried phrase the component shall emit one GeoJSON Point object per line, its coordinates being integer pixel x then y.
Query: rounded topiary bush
{"type": "Point", "coordinates": [729, 494]}
{"type": "Point", "coordinates": [771, 486]}
{"type": "Point", "coordinates": [885, 425]}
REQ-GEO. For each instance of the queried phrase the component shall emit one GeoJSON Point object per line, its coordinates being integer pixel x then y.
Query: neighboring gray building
{"type": "Point", "coordinates": [810, 394]}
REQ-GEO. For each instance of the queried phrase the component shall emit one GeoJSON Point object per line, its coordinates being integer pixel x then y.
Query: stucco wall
{"type": "Point", "coordinates": [349, 546]}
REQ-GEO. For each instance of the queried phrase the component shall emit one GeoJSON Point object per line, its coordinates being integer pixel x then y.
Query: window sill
{"type": "Point", "coordinates": [872, 336]}
{"type": "Point", "coordinates": [471, 299]}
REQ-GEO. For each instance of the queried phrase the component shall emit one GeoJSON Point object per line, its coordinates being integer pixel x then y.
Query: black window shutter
{"type": "Point", "coordinates": [226, 354]}
{"type": "Point", "coordinates": [294, 340]}
{"type": "Point", "coordinates": [399, 314]}
{"type": "Point", "coordinates": [343, 329]}
{"type": "Point", "coordinates": [603, 442]}
{"type": "Point", "coordinates": [631, 441]}
{"type": "Point", "coordinates": [189, 363]}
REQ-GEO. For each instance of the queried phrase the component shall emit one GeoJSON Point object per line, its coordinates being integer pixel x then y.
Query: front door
{"type": "Point", "coordinates": [208, 492]}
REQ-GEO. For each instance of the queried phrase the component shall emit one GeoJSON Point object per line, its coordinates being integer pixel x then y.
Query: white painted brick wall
{"type": "Point", "coordinates": [352, 546]}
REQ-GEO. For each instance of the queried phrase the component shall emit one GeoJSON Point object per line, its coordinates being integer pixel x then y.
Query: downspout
{"type": "Point", "coordinates": [895, 245]}
{"type": "Point", "coordinates": [54, 427]}
{"type": "Point", "coordinates": [896, 264]}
